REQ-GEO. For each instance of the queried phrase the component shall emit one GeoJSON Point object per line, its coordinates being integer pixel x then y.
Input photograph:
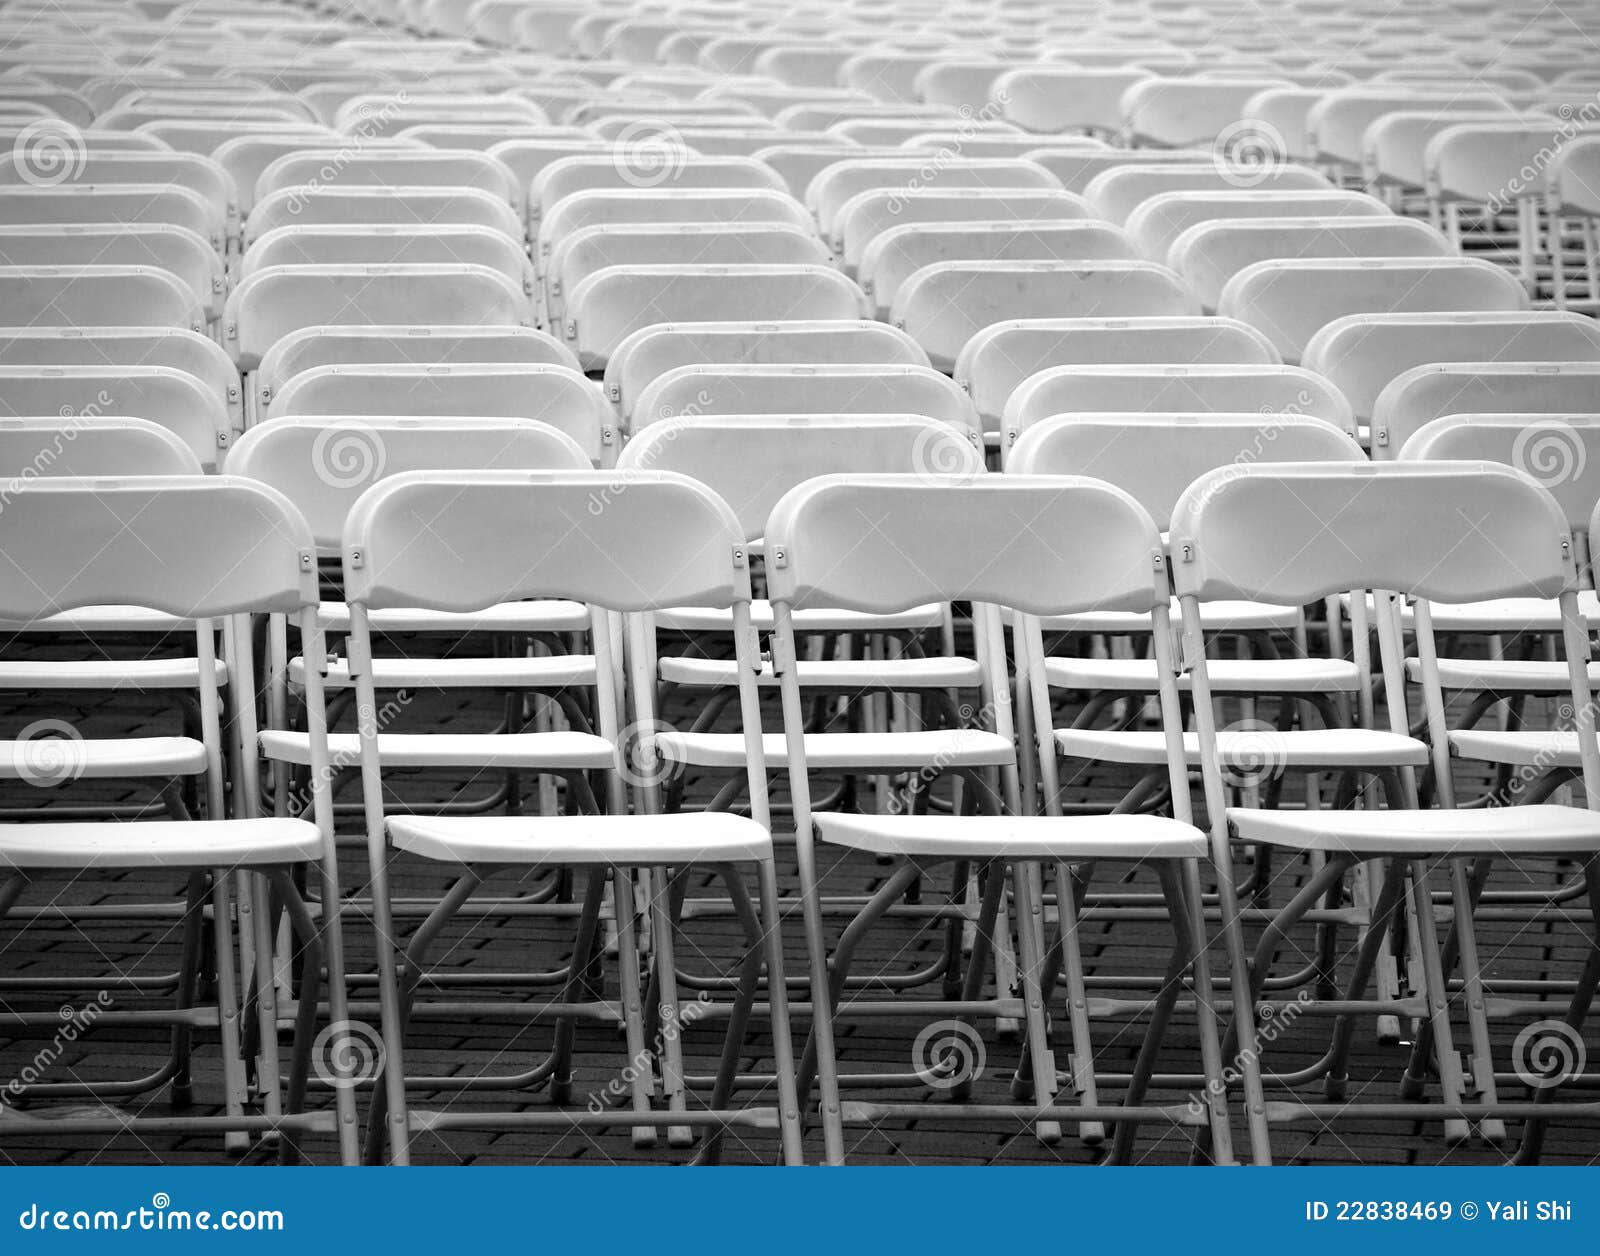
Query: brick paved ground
{"type": "Point", "coordinates": [464, 1047]}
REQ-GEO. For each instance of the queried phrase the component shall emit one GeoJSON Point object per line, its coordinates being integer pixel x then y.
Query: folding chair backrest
{"type": "Point", "coordinates": [188, 257]}
{"type": "Point", "coordinates": [16, 135]}
{"type": "Point", "coordinates": [372, 244]}
{"type": "Point", "coordinates": [1362, 353]}
{"type": "Point", "coordinates": [323, 465]}
{"type": "Point", "coordinates": [169, 398]}
{"type": "Point", "coordinates": [881, 544]}
{"type": "Point", "coordinates": [1490, 162]}
{"type": "Point", "coordinates": [1561, 451]}
{"type": "Point", "coordinates": [197, 547]}
{"type": "Point", "coordinates": [644, 165]}
{"type": "Point", "coordinates": [1116, 448]}
{"type": "Point", "coordinates": [1118, 192]}
{"type": "Point", "coordinates": [1136, 389]}
{"type": "Point", "coordinates": [525, 158]}
{"type": "Point", "coordinates": [56, 446]}
{"type": "Point", "coordinates": [1077, 171]}
{"type": "Point", "coordinates": [271, 303]}
{"type": "Point", "coordinates": [414, 207]}
{"type": "Point", "coordinates": [652, 351]}
{"type": "Point", "coordinates": [392, 168]}
{"type": "Point", "coordinates": [1275, 119]}
{"type": "Point", "coordinates": [615, 207]}
{"type": "Point", "coordinates": [1160, 220]}
{"type": "Point", "coordinates": [1175, 112]}
{"type": "Point", "coordinates": [556, 395]}
{"type": "Point", "coordinates": [945, 305]}
{"type": "Point", "coordinates": [464, 541]}
{"type": "Point", "coordinates": [1429, 392]}
{"type": "Point", "coordinates": [1065, 98]}
{"type": "Point", "coordinates": [133, 203]}
{"type": "Point", "coordinates": [868, 214]}
{"type": "Point", "coordinates": [1291, 300]}
{"type": "Point", "coordinates": [836, 184]}
{"type": "Point", "coordinates": [751, 461]}
{"type": "Point", "coordinates": [311, 347]}
{"type": "Point", "coordinates": [897, 254]}
{"type": "Point", "coordinates": [106, 168]}
{"type": "Point", "coordinates": [86, 296]}
{"type": "Point", "coordinates": [612, 303]}
{"type": "Point", "coordinates": [246, 157]}
{"type": "Point", "coordinates": [176, 348]}
{"type": "Point", "coordinates": [580, 254]}
{"type": "Point", "coordinates": [798, 164]}
{"type": "Point", "coordinates": [1209, 254]}
{"type": "Point", "coordinates": [1296, 533]}
{"type": "Point", "coordinates": [999, 358]}
{"type": "Point", "coordinates": [832, 389]}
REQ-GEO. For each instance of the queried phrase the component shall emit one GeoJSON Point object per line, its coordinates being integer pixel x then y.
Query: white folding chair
{"type": "Point", "coordinates": [392, 168]}
{"type": "Point", "coordinates": [837, 183]}
{"type": "Point", "coordinates": [335, 205]}
{"type": "Point", "coordinates": [188, 257]}
{"type": "Point", "coordinates": [614, 207]}
{"type": "Point", "coordinates": [1431, 391]}
{"type": "Point", "coordinates": [1177, 111]}
{"type": "Point", "coordinates": [149, 204]}
{"type": "Point", "coordinates": [1053, 98]}
{"type": "Point", "coordinates": [1076, 170]}
{"type": "Point", "coordinates": [869, 214]}
{"type": "Point", "coordinates": [373, 244]}
{"type": "Point", "coordinates": [1116, 193]}
{"type": "Point", "coordinates": [644, 164]}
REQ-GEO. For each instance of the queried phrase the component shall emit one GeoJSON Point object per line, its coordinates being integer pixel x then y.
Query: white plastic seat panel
{"type": "Point", "coordinates": [139, 675]}
{"type": "Point", "coordinates": [1265, 676]}
{"type": "Point", "coordinates": [1014, 837]}
{"type": "Point", "coordinates": [535, 616]}
{"type": "Point", "coordinates": [1495, 831]}
{"type": "Point", "coordinates": [555, 752]}
{"type": "Point", "coordinates": [949, 748]}
{"type": "Point", "coordinates": [622, 841]}
{"type": "Point", "coordinates": [1222, 615]}
{"type": "Point", "coordinates": [542, 672]}
{"type": "Point", "coordinates": [160, 844]}
{"type": "Point", "coordinates": [938, 672]}
{"type": "Point", "coordinates": [1160, 220]}
{"type": "Point", "coordinates": [1502, 675]}
{"type": "Point", "coordinates": [1537, 748]}
{"type": "Point", "coordinates": [1300, 749]}
{"type": "Point", "coordinates": [811, 619]}
{"type": "Point", "coordinates": [95, 758]}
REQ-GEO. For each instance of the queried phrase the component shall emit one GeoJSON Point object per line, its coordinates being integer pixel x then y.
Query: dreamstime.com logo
{"type": "Point", "coordinates": [947, 1054]}
{"type": "Point", "coordinates": [1548, 1053]}
{"type": "Point", "coordinates": [48, 153]}
{"type": "Point", "coordinates": [158, 1215]}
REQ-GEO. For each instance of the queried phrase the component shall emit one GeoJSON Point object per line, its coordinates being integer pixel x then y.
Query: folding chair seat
{"type": "Point", "coordinates": [898, 253]}
{"type": "Point", "coordinates": [189, 258]}
{"type": "Point", "coordinates": [175, 348]}
{"type": "Point", "coordinates": [1291, 300]}
{"type": "Point", "coordinates": [1338, 121]}
{"type": "Point", "coordinates": [214, 551]}
{"type": "Point", "coordinates": [403, 207]}
{"type": "Point", "coordinates": [556, 395]}
{"type": "Point", "coordinates": [200, 175]}
{"type": "Point", "coordinates": [995, 362]}
{"type": "Point", "coordinates": [1115, 448]}
{"type": "Point", "coordinates": [1052, 98]}
{"type": "Point", "coordinates": [940, 540]}
{"type": "Point", "coordinates": [311, 347]}
{"type": "Point", "coordinates": [169, 398]}
{"type": "Point", "coordinates": [1176, 112]}
{"type": "Point", "coordinates": [612, 303]}
{"type": "Point", "coordinates": [644, 164]}
{"type": "Point", "coordinates": [664, 542]}
{"type": "Point", "coordinates": [86, 296]}
{"type": "Point", "coordinates": [1362, 353]}
{"type": "Point", "coordinates": [1209, 254]}
{"type": "Point", "coordinates": [393, 168]}
{"type": "Point", "coordinates": [743, 207]}
{"type": "Point", "coordinates": [836, 184]}
{"type": "Point", "coordinates": [1424, 393]}
{"type": "Point", "coordinates": [870, 388]}
{"type": "Point", "coordinates": [580, 254]}
{"type": "Point", "coordinates": [652, 351]}
{"type": "Point", "coordinates": [1287, 532]}
{"type": "Point", "coordinates": [199, 135]}
{"type": "Point", "coordinates": [1161, 219]}
{"type": "Point", "coordinates": [1232, 388]}
{"type": "Point", "coordinates": [137, 204]}
{"type": "Point", "coordinates": [869, 214]}
{"type": "Point", "coordinates": [271, 303]}
{"type": "Point", "coordinates": [368, 244]}
{"type": "Point", "coordinates": [1117, 192]}
{"type": "Point", "coordinates": [943, 306]}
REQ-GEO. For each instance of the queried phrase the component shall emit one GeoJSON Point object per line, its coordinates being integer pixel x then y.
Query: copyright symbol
{"type": "Point", "coordinates": [1469, 1210]}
